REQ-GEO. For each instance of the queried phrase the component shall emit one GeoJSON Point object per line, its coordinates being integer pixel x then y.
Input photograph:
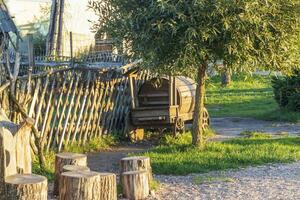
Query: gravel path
{"type": "Point", "coordinates": [232, 126]}
{"type": "Point", "coordinates": [265, 182]}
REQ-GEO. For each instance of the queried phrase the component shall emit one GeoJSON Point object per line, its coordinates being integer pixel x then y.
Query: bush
{"type": "Point", "coordinates": [287, 91]}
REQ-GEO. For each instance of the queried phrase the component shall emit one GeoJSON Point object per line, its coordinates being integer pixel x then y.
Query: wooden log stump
{"type": "Point", "coordinates": [63, 159]}
{"type": "Point", "coordinates": [108, 186]}
{"type": "Point", "coordinates": [136, 163]}
{"type": "Point", "coordinates": [135, 185]}
{"type": "Point", "coordinates": [82, 185]}
{"type": "Point", "coordinates": [26, 187]}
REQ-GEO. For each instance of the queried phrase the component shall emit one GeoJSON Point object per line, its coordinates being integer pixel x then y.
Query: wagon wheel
{"type": "Point", "coordinates": [206, 120]}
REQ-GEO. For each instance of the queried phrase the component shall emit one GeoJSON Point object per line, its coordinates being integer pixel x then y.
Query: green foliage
{"type": "Point", "coordinates": [93, 145]}
{"type": "Point", "coordinates": [185, 138]}
{"type": "Point", "coordinates": [180, 158]}
{"type": "Point", "coordinates": [247, 96]}
{"type": "Point", "coordinates": [247, 34]}
{"type": "Point", "coordinates": [48, 171]}
{"type": "Point", "coordinates": [154, 185]}
{"type": "Point", "coordinates": [287, 91]}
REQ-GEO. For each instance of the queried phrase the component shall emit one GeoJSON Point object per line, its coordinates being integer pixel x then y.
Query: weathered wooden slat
{"type": "Point", "coordinates": [68, 115]}
{"type": "Point", "coordinates": [91, 114]}
{"type": "Point", "coordinates": [48, 115]}
{"type": "Point", "coordinates": [34, 100]}
{"type": "Point", "coordinates": [86, 112]}
{"type": "Point", "coordinates": [86, 92]}
{"type": "Point", "coordinates": [64, 106]}
{"type": "Point", "coordinates": [56, 110]}
{"type": "Point", "coordinates": [41, 102]}
{"type": "Point", "coordinates": [97, 109]}
{"type": "Point", "coordinates": [71, 126]}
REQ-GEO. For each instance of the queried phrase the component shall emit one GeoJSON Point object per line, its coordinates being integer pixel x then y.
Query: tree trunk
{"type": "Point", "coordinates": [80, 186]}
{"type": "Point", "coordinates": [108, 186]}
{"type": "Point", "coordinates": [199, 107]}
{"type": "Point", "coordinates": [226, 77]}
{"type": "Point", "coordinates": [60, 28]}
{"type": "Point", "coordinates": [52, 28]}
{"type": "Point", "coordinates": [26, 187]}
{"type": "Point", "coordinates": [135, 185]}
{"type": "Point", "coordinates": [63, 159]}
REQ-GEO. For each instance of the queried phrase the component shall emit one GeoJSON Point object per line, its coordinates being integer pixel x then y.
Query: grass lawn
{"type": "Point", "coordinates": [246, 97]}
{"type": "Point", "coordinates": [178, 157]}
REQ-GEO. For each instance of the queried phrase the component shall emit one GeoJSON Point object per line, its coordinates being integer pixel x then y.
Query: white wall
{"type": "Point", "coordinates": [76, 19]}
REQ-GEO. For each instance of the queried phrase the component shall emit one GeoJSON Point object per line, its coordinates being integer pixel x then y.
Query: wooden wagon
{"type": "Point", "coordinates": [164, 102]}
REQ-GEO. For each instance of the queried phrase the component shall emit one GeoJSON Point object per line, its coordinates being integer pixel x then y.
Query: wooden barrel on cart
{"type": "Point", "coordinates": [155, 92]}
{"type": "Point", "coordinates": [154, 107]}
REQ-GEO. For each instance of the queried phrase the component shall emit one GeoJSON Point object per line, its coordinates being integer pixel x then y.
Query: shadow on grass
{"type": "Point", "coordinates": [239, 92]}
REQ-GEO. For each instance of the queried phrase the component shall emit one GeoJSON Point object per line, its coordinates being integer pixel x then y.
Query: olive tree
{"type": "Point", "coordinates": [185, 36]}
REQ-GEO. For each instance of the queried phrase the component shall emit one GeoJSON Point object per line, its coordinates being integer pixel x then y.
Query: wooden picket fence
{"type": "Point", "coordinates": [75, 104]}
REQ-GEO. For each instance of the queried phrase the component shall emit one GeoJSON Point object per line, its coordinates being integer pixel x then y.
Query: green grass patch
{"type": "Point", "coordinates": [94, 145]}
{"type": "Point", "coordinates": [247, 96]}
{"type": "Point", "coordinates": [49, 169]}
{"type": "Point", "coordinates": [198, 180]}
{"type": "Point", "coordinates": [185, 138]}
{"type": "Point", "coordinates": [178, 157]}
{"type": "Point", "coordinates": [257, 135]}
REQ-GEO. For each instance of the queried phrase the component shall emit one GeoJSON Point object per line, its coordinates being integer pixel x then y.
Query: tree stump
{"type": "Point", "coordinates": [136, 163]}
{"type": "Point", "coordinates": [108, 186]}
{"type": "Point", "coordinates": [63, 159]}
{"type": "Point", "coordinates": [26, 187]}
{"type": "Point", "coordinates": [82, 185]}
{"type": "Point", "coordinates": [135, 185]}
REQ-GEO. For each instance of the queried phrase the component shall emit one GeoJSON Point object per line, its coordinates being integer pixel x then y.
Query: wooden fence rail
{"type": "Point", "coordinates": [74, 105]}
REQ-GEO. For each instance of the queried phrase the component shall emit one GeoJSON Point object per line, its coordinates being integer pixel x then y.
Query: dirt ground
{"type": "Point", "coordinates": [108, 161]}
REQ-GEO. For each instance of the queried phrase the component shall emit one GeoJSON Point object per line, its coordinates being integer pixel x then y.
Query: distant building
{"type": "Point", "coordinates": [32, 15]}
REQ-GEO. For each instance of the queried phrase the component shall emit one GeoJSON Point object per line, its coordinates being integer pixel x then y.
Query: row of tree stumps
{"type": "Point", "coordinates": [75, 181]}
{"type": "Point", "coordinates": [73, 178]}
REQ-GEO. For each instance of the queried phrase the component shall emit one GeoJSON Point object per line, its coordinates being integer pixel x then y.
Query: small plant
{"type": "Point", "coordinates": [154, 185]}
{"type": "Point", "coordinates": [185, 138]}
{"type": "Point", "coordinates": [287, 91]}
{"type": "Point", "coordinates": [255, 135]}
{"type": "Point", "coordinates": [48, 171]}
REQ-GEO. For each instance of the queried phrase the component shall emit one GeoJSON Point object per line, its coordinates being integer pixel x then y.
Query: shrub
{"type": "Point", "coordinates": [287, 91]}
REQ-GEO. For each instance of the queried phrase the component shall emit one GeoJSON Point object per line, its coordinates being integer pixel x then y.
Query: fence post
{"type": "Point", "coordinates": [71, 48]}
{"type": "Point", "coordinates": [31, 60]}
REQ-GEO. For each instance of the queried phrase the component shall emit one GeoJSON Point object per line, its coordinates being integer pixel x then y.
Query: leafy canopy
{"type": "Point", "coordinates": [178, 35]}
